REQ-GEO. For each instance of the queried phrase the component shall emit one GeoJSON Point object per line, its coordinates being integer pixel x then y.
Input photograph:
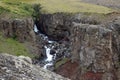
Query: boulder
{"type": "Point", "coordinates": [21, 68]}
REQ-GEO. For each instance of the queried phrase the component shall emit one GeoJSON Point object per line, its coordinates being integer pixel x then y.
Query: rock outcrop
{"type": "Point", "coordinates": [20, 29]}
{"type": "Point", "coordinates": [57, 26]}
{"type": "Point", "coordinates": [92, 45]}
{"type": "Point", "coordinates": [95, 46]}
{"type": "Point", "coordinates": [21, 68]}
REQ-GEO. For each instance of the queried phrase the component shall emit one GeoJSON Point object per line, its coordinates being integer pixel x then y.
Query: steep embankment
{"type": "Point", "coordinates": [16, 28]}
{"type": "Point", "coordinates": [18, 37]}
{"type": "Point", "coordinates": [94, 44]}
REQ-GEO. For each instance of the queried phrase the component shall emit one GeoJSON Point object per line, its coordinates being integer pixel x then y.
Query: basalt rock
{"type": "Point", "coordinates": [21, 68]}
{"type": "Point", "coordinates": [20, 29]}
{"type": "Point", "coordinates": [93, 45]}
{"type": "Point", "coordinates": [57, 26]}
{"type": "Point", "coordinates": [115, 27]}
{"type": "Point", "coordinates": [54, 26]}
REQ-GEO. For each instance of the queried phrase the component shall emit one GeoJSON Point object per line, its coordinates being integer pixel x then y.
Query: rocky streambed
{"type": "Point", "coordinates": [53, 51]}
{"type": "Point", "coordinates": [89, 43]}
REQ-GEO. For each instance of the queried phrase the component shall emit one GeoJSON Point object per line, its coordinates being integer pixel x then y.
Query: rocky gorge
{"type": "Point", "coordinates": [94, 45]}
{"type": "Point", "coordinates": [76, 46]}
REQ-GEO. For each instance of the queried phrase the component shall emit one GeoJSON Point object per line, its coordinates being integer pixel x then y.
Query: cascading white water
{"type": "Point", "coordinates": [49, 56]}
{"type": "Point", "coordinates": [35, 28]}
{"type": "Point", "coordinates": [49, 59]}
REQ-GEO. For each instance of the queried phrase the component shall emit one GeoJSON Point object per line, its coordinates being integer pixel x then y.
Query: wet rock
{"type": "Point", "coordinates": [54, 26]}
{"type": "Point", "coordinates": [21, 68]}
{"type": "Point", "coordinates": [94, 45]}
{"type": "Point", "coordinates": [57, 26]}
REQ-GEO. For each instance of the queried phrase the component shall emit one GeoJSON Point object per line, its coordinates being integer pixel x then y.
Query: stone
{"type": "Point", "coordinates": [23, 69]}
{"type": "Point", "coordinates": [94, 44]}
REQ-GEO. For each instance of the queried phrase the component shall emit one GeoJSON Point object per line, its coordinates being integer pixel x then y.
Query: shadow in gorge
{"type": "Point", "coordinates": [54, 52]}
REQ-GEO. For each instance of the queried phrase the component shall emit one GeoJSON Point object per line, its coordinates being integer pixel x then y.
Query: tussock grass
{"type": "Point", "coordinates": [11, 46]}
{"type": "Point", "coordinates": [71, 6]}
{"type": "Point", "coordinates": [15, 8]}
{"type": "Point", "coordinates": [22, 7]}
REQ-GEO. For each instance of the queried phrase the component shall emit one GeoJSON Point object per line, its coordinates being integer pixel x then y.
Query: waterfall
{"type": "Point", "coordinates": [35, 28]}
{"type": "Point", "coordinates": [49, 60]}
{"type": "Point", "coordinates": [53, 50]}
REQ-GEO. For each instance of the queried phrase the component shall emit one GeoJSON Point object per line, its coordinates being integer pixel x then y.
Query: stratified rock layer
{"type": "Point", "coordinates": [20, 29]}
{"type": "Point", "coordinates": [94, 44]}
{"type": "Point", "coordinates": [21, 68]}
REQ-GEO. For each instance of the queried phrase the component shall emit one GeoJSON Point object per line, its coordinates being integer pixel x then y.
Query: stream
{"type": "Point", "coordinates": [53, 51]}
{"type": "Point", "coordinates": [50, 57]}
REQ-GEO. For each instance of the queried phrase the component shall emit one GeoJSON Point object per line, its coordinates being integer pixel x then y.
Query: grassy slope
{"type": "Point", "coordinates": [23, 7]}
{"type": "Point", "coordinates": [15, 8]}
{"type": "Point", "coordinates": [72, 6]}
{"type": "Point", "coordinates": [12, 46]}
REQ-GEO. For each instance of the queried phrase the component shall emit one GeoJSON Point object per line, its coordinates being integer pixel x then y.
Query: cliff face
{"type": "Point", "coordinates": [95, 46]}
{"type": "Point", "coordinates": [21, 68]}
{"type": "Point", "coordinates": [58, 25]}
{"type": "Point", "coordinates": [92, 46]}
{"type": "Point", "coordinates": [22, 31]}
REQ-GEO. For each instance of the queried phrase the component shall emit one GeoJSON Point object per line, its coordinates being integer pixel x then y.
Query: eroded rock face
{"type": "Point", "coordinates": [95, 46]}
{"type": "Point", "coordinates": [21, 68]}
{"type": "Point", "coordinates": [20, 29]}
{"type": "Point", "coordinates": [92, 45]}
{"type": "Point", "coordinates": [55, 26]}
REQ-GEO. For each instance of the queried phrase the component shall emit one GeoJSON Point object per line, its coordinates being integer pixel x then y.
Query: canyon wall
{"type": "Point", "coordinates": [94, 46]}
{"type": "Point", "coordinates": [21, 30]}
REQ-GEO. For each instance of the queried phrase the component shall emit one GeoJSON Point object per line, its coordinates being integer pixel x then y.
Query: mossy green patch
{"type": "Point", "coordinates": [69, 6]}
{"type": "Point", "coordinates": [16, 8]}
{"type": "Point", "coordinates": [24, 7]}
{"type": "Point", "coordinates": [11, 46]}
{"type": "Point", "coordinates": [61, 62]}
{"type": "Point", "coordinates": [72, 6]}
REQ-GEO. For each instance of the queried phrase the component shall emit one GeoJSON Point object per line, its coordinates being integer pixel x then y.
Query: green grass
{"type": "Point", "coordinates": [11, 46]}
{"type": "Point", "coordinates": [24, 7]}
{"type": "Point", "coordinates": [71, 6]}
{"type": "Point", "coordinates": [61, 62]}
{"type": "Point", "coordinates": [15, 8]}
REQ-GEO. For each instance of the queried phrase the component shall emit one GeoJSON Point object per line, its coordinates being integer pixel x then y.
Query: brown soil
{"type": "Point", "coordinates": [69, 70]}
